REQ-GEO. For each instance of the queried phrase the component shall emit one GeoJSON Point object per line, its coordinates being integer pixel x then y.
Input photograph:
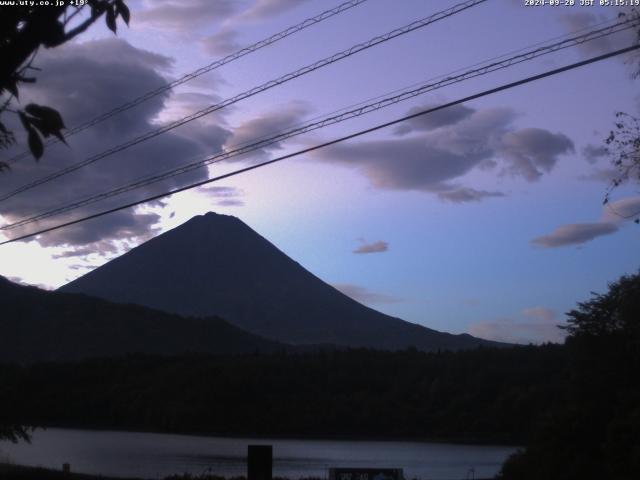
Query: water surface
{"type": "Point", "coordinates": [155, 455]}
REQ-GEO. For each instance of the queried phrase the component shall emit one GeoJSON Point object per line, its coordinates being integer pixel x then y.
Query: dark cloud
{"type": "Point", "coordinates": [375, 247]}
{"type": "Point", "coordinates": [593, 153]}
{"type": "Point", "coordinates": [466, 194]}
{"type": "Point", "coordinates": [431, 160]}
{"type": "Point", "coordinates": [366, 296]}
{"type": "Point", "coordinates": [532, 151]}
{"type": "Point", "coordinates": [81, 81]}
{"type": "Point", "coordinates": [437, 119]}
{"type": "Point", "coordinates": [184, 15]}
{"type": "Point", "coordinates": [411, 164]}
{"type": "Point", "coordinates": [575, 234]}
{"type": "Point", "coordinates": [265, 126]}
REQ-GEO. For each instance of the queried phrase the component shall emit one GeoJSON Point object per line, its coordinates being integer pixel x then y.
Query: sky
{"type": "Point", "coordinates": [485, 218]}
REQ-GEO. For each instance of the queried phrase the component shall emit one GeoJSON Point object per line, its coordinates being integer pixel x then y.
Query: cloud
{"type": "Point", "coordinates": [229, 196]}
{"type": "Point", "coordinates": [620, 210]}
{"type": "Point", "coordinates": [535, 325]}
{"type": "Point", "coordinates": [532, 151]}
{"type": "Point", "coordinates": [362, 295]}
{"type": "Point", "coordinates": [541, 313]}
{"type": "Point", "coordinates": [375, 247]}
{"type": "Point", "coordinates": [580, 20]}
{"type": "Point", "coordinates": [518, 331]}
{"type": "Point", "coordinates": [180, 15]}
{"type": "Point", "coordinates": [81, 81]}
{"type": "Point", "coordinates": [182, 104]}
{"type": "Point", "coordinates": [574, 234]}
{"type": "Point", "coordinates": [263, 9]}
{"type": "Point", "coordinates": [431, 160]}
{"type": "Point", "coordinates": [466, 194]}
{"type": "Point", "coordinates": [593, 153]}
{"type": "Point", "coordinates": [614, 215]}
{"type": "Point", "coordinates": [264, 126]}
{"type": "Point", "coordinates": [20, 281]}
{"type": "Point", "coordinates": [437, 119]}
{"type": "Point", "coordinates": [606, 175]}
{"type": "Point", "coordinates": [223, 42]}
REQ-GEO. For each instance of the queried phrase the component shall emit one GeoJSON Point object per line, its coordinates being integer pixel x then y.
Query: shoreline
{"type": "Point", "coordinates": [10, 471]}
{"type": "Point", "coordinates": [309, 437]}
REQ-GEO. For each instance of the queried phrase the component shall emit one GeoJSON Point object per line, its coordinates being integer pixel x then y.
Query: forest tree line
{"type": "Point", "coordinates": [483, 395]}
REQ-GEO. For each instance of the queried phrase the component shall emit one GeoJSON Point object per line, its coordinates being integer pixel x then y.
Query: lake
{"type": "Point", "coordinates": [155, 455]}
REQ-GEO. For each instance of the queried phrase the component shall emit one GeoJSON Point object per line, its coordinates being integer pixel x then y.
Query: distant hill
{"type": "Point", "coordinates": [38, 325]}
{"type": "Point", "coordinates": [216, 265]}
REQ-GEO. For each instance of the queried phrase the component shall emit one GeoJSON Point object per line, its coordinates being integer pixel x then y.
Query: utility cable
{"type": "Point", "coordinates": [485, 93]}
{"type": "Point", "coordinates": [330, 120]}
{"type": "Point", "coordinates": [254, 91]}
{"type": "Point", "coordinates": [201, 71]}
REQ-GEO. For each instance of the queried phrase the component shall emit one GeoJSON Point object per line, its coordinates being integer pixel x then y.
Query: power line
{"type": "Point", "coordinates": [335, 141]}
{"type": "Point", "coordinates": [254, 91]}
{"type": "Point", "coordinates": [201, 71]}
{"type": "Point", "coordinates": [332, 119]}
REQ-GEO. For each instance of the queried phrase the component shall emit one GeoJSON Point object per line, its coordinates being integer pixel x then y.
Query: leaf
{"type": "Point", "coordinates": [123, 10]}
{"type": "Point", "coordinates": [41, 126]}
{"type": "Point", "coordinates": [26, 121]}
{"type": "Point", "coordinates": [111, 19]}
{"type": "Point", "coordinates": [3, 129]}
{"type": "Point", "coordinates": [35, 144]}
{"type": "Point", "coordinates": [51, 117]}
{"type": "Point", "coordinates": [59, 136]}
{"type": "Point", "coordinates": [4, 166]}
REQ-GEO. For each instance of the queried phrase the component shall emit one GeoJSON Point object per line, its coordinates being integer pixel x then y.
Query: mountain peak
{"type": "Point", "coordinates": [216, 265]}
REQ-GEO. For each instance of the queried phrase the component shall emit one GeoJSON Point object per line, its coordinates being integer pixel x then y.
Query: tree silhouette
{"type": "Point", "coordinates": [595, 433]}
{"type": "Point", "coordinates": [623, 142]}
{"type": "Point", "coordinates": [24, 30]}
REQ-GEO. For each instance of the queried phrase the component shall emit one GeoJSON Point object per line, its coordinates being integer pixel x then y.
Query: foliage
{"type": "Point", "coordinates": [596, 434]}
{"type": "Point", "coordinates": [623, 143]}
{"type": "Point", "coordinates": [616, 312]}
{"type": "Point", "coordinates": [25, 28]}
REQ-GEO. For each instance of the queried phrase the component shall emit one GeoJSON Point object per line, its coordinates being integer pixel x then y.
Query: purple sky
{"type": "Point", "coordinates": [485, 218]}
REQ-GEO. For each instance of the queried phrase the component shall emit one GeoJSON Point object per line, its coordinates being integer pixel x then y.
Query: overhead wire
{"type": "Point", "coordinates": [415, 25]}
{"type": "Point", "coordinates": [333, 142]}
{"type": "Point", "coordinates": [333, 119]}
{"type": "Point", "coordinates": [276, 37]}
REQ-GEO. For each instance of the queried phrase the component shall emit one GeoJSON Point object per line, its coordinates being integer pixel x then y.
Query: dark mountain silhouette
{"type": "Point", "coordinates": [216, 265]}
{"type": "Point", "coordinates": [38, 325]}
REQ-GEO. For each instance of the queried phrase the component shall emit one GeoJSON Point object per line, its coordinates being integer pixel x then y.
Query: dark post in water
{"type": "Point", "coordinates": [260, 462]}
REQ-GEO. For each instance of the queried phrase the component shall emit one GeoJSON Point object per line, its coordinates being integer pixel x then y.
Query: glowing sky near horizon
{"type": "Point", "coordinates": [488, 220]}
